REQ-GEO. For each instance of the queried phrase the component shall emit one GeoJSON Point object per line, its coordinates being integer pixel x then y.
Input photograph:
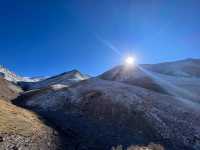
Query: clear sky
{"type": "Point", "coordinates": [40, 37]}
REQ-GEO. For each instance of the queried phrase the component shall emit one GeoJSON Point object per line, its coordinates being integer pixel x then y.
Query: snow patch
{"type": "Point", "coordinates": [58, 86]}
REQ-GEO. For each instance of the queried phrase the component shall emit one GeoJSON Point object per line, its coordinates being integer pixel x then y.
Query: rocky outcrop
{"type": "Point", "coordinates": [9, 90]}
{"type": "Point", "coordinates": [47, 141]}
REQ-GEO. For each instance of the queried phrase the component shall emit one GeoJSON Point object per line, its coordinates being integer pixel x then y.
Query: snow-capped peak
{"type": "Point", "coordinates": [11, 76]}
{"type": "Point", "coordinates": [64, 79]}
{"type": "Point", "coordinates": [8, 75]}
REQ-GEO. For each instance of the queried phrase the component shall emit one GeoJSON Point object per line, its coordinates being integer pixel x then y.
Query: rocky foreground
{"type": "Point", "coordinates": [24, 130]}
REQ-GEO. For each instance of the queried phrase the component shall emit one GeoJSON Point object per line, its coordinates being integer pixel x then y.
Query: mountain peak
{"type": "Point", "coordinates": [8, 75]}
{"type": "Point", "coordinates": [11, 76]}
{"type": "Point", "coordinates": [132, 76]}
{"type": "Point", "coordinates": [63, 79]}
{"type": "Point", "coordinates": [75, 71]}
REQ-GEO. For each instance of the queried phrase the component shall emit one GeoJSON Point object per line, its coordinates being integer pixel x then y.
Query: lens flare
{"type": "Point", "coordinates": [130, 60]}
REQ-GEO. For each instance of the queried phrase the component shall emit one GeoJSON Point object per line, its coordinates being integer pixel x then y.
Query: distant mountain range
{"type": "Point", "coordinates": [127, 105]}
{"type": "Point", "coordinates": [11, 76]}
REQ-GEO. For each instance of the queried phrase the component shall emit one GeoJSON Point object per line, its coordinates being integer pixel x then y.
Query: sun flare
{"type": "Point", "coordinates": [130, 60]}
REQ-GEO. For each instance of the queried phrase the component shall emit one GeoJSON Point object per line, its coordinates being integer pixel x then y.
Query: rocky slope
{"type": "Point", "coordinates": [8, 90]}
{"type": "Point", "coordinates": [23, 130]}
{"type": "Point", "coordinates": [103, 113]}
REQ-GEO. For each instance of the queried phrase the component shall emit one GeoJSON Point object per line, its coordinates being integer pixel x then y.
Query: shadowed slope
{"type": "Point", "coordinates": [8, 90]}
{"type": "Point", "coordinates": [103, 113]}
{"type": "Point", "coordinates": [132, 75]}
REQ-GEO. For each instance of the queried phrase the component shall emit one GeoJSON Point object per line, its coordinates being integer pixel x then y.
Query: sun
{"type": "Point", "coordinates": [130, 60]}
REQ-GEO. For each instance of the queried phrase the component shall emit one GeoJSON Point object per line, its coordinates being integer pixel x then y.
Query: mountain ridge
{"type": "Point", "coordinates": [186, 68]}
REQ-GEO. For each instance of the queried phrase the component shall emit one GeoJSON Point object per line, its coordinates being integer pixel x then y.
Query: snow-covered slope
{"type": "Point", "coordinates": [125, 105]}
{"type": "Point", "coordinates": [64, 79]}
{"type": "Point", "coordinates": [34, 79]}
{"type": "Point", "coordinates": [180, 78]}
{"type": "Point", "coordinates": [8, 75]}
{"type": "Point", "coordinates": [11, 76]}
{"type": "Point", "coordinates": [185, 68]}
{"type": "Point", "coordinates": [186, 88]}
{"type": "Point", "coordinates": [108, 113]}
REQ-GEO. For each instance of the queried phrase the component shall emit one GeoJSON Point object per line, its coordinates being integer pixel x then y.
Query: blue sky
{"type": "Point", "coordinates": [49, 37]}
